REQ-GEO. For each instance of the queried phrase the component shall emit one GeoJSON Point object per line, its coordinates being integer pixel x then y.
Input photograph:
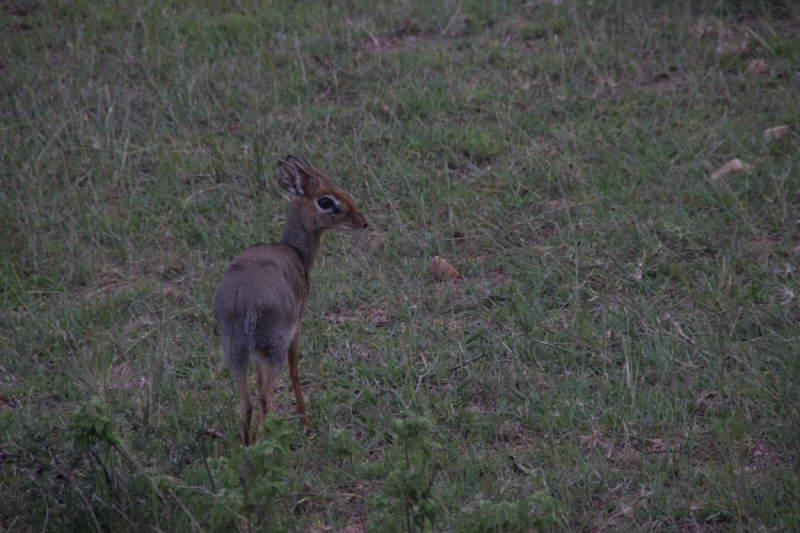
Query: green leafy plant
{"type": "Point", "coordinates": [88, 425]}
{"type": "Point", "coordinates": [341, 445]}
{"type": "Point", "coordinates": [405, 497]}
{"type": "Point", "coordinates": [252, 482]}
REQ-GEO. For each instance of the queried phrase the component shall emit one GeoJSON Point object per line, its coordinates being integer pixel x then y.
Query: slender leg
{"type": "Point", "coordinates": [262, 402]}
{"type": "Point", "coordinates": [247, 406]}
{"type": "Point", "coordinates": [294, 374]}
{"type": "Point", "coordinates": [265, 380]}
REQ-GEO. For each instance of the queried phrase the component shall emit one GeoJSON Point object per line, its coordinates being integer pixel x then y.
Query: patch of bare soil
{"type": "Point", "coordinates": [406, 37]}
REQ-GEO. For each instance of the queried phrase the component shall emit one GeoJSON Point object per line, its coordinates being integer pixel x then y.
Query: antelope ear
{"type": "Point", "coordinates": [292, 179]}
{"type": "Point", "coordinates": [299, 162]}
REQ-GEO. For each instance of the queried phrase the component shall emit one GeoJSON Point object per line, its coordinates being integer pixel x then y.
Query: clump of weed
{"type": "Point", "coordinates": [252, 482]}
{"type": "Point", "coordinates": [406, 501]}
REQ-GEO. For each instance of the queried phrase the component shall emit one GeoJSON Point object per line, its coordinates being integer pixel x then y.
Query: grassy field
{"type": "Point", "coordinates": [621, 353]}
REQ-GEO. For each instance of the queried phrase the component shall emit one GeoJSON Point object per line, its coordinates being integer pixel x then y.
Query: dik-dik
{"type": "Point", "coordinates": [262, 297]}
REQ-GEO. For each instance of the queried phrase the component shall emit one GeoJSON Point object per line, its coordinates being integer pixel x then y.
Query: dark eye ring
{"type": "Point", "coordinates": [325, 203]}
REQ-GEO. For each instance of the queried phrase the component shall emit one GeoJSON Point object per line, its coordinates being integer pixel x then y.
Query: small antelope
{"type": "Point", "coordinates": [262, 297]}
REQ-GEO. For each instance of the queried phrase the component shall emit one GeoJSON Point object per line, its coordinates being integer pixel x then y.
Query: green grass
{"type": "Point", "coordinates": [625, 338]}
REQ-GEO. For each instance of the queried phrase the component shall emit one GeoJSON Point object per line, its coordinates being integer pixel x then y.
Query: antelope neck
{"type": "Point", "coordinates": [298, 237]}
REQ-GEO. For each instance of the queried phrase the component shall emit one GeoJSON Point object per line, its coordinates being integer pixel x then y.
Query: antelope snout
{"type": "Point", "coordinates": [359, 222]}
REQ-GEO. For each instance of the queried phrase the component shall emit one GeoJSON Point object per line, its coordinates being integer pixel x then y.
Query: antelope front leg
{"type": "Point", "coordinates": [294, 374]}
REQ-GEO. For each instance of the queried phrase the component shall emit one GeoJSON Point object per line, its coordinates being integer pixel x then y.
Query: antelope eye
{"type": "Point", "coordinates": [325, 203]}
